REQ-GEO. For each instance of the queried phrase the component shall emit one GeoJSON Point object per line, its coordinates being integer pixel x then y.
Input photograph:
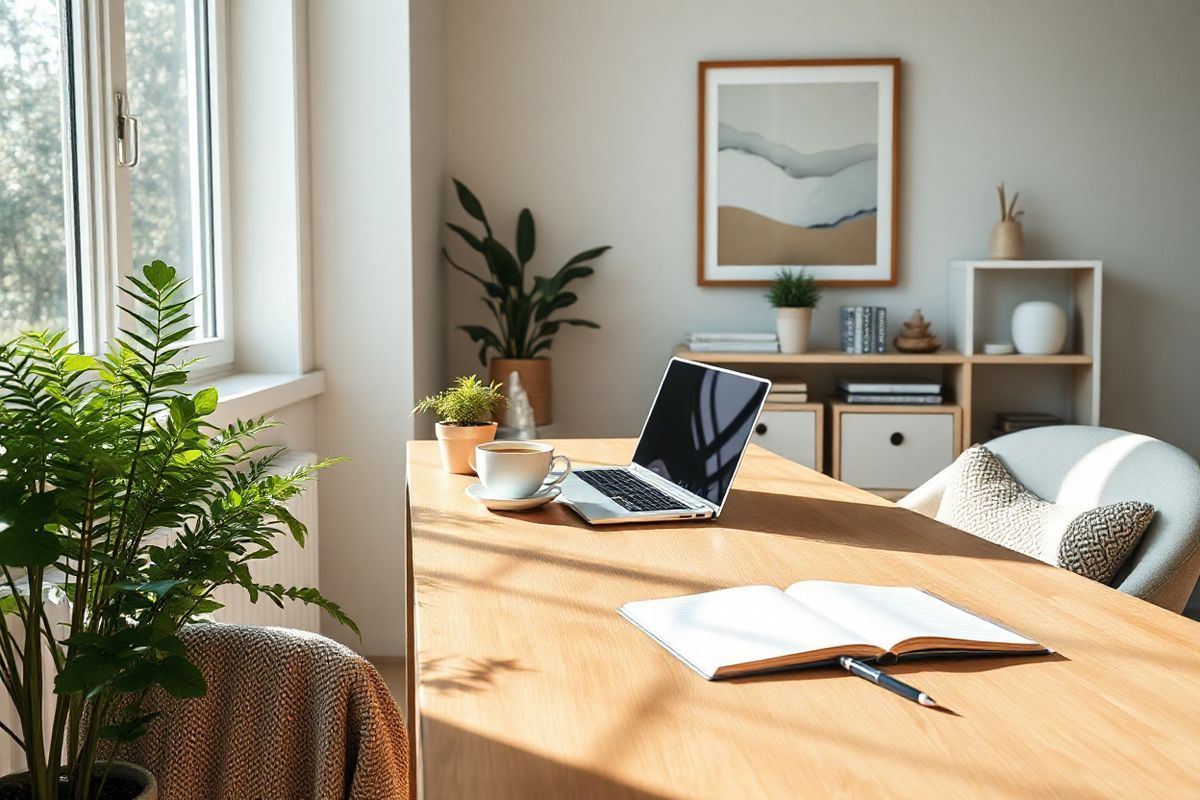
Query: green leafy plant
{"type": "Point", "coordinates": [795, 289]}
{"type": "Point", "coordinates": [468, 402]}
{"type": "Point", "coordinates": [522, 309]}
{"type": "Point", "coordinates": [122, 504]}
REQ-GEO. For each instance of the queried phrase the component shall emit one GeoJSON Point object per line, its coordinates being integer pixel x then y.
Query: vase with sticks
{"type": "Point", "coordinates": [1008, 242]}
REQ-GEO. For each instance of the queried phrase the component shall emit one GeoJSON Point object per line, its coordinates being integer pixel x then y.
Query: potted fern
{"type": "Point", "coordinates": [465, 414]}
{"type": "Point", "coordinates": [794, 295]}
{"type": "Point", "coordinates": [523, 306]}
{"type": "Point", "coordinates": [99, 455]}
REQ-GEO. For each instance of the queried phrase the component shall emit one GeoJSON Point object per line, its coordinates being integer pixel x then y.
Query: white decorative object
{"type": "Point", "coordinates": [997, 349]}
{"type": "Point", "coordinates": [792, 325]}
{"type": "Point", "coordinates": [1039, 328]}
{"type": "Point", "coordinates": [519, 416]}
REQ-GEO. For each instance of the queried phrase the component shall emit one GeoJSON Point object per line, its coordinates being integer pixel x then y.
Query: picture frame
{"type": "Point", "coordinates": [798, 169]}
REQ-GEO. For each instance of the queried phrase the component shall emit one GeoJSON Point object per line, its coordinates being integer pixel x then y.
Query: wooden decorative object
{"type": "Point", "coordinates": [535, 378]}
{"type": "Point", "coordinates": [1008, 242]}
{"type": "Point", "coordinates": [916, 338]}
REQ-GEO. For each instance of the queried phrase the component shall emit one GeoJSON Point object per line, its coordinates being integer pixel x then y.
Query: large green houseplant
{"type": "Point", "coordinates": [524, 306]}
{"type": "Point", "coordinates": [96, 455]}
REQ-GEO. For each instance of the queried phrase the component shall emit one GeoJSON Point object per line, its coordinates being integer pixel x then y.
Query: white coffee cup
{"type": "Point", "coordinates": [513, 469]}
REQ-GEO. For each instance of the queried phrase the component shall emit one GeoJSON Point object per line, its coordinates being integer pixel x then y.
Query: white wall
{"type": "Point", "coordinates": [358, 74]}
{"type": "Point", "coordinates": [429, 273]}
{"type": "Point", "coordinates": [586, 112]}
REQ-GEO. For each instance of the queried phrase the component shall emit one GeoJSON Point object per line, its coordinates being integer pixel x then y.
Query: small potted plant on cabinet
{"type": "Point", "coordinates": [97, 455]}
{"type": "Point", "coordinates": [794, 295]}
{"type": "Point", "coordinates": [522, 306]}
{"type": "Point", "coordinates": [465, 414]}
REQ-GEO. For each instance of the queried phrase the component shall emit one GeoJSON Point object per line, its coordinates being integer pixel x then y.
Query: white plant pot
{"type": "Point", "coordinates": [1039, 328]}
{"type": "Point", "coordinates": [792, 326]}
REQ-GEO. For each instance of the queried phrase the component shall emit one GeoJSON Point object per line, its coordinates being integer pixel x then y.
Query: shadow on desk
{"type": "Point", "coordinates": [512, 772]}
{"type": "Point", "coordinates": [867, 525]}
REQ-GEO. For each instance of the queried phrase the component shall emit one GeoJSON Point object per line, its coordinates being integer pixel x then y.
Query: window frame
{"type": "Point", "coordinates": [104, 234]}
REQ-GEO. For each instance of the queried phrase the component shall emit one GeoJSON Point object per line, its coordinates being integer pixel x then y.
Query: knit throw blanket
{"type": "Point", "coordinates": [288, 715]}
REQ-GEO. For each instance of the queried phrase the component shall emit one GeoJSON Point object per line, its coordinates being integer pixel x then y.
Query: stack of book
{"type": "Point", "coordinates": [864, 329]}
{"type": "Point", "coordinates": [788, 393]}
{"type": "Point", "coordinates": [1011, 421]}
{"type": "Point", "coordinates": [890, 392]}
{"type": "Point", "coordinates": [733, 342]}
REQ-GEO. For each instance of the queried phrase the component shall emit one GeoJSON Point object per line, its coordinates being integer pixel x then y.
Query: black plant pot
{"type": "Point", "coordinates": [125, 782]}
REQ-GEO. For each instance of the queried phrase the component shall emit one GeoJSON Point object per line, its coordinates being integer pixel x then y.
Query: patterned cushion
{"type": "Point", "coordinates": [985, 500]}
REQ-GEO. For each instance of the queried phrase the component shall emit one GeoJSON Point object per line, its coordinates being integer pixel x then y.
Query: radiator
{"type": "Point", "coordinates": [291, 566]}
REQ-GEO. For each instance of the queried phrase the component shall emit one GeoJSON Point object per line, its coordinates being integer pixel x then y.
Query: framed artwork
{"type": "Point", "coordinates": [799, 169]}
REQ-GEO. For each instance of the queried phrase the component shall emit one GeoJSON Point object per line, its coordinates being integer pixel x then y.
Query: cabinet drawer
{"type": "Point", "coordinates": [895, 451]}
{"type": "Point", "coordinates": [791, 434]}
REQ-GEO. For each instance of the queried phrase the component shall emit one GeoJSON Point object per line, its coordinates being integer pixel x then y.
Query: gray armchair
{"type": "Point", "coordinates": [1084, 467]}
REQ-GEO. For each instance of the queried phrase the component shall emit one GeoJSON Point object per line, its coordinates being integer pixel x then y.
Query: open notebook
{"type": "Point", "coordinates": [749, 629]}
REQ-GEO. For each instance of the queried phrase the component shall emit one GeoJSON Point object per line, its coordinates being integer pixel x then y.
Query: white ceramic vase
{"type": "Point", "coordinates": [792, 325]}
{"type": "Point", "coordinates": [1039, 328]}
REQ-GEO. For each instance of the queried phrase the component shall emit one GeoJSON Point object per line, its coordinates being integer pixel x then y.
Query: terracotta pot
{"type": "Point", "coordinates": [793, 325]}
{"type": "Point", "coordinates": [457, 443]}
{"type": "Point", "coordinates": [535, 379]}
{"type": "Point", "coordinates": [129, 775]}
{"type": "Point", "coordinates": [1008, 242]}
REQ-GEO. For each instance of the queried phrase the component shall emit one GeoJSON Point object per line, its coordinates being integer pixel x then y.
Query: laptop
{"type": "Point", "coordinates": [687, 456]}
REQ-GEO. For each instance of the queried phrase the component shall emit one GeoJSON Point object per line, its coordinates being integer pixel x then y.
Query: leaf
{"type": "Point", "coordinates": [565, 276]}
{"type": "Point", "coordinates": [526, 237]}
{"type": "Point", "coordinates": [187, 456]}
{"type": "Point", "coordinates": [467, 236]}
{"type": "Point", "coordinates": [159, 587]}
{"type": "Point", "coordinates": [587, 255]}
{"type": "Point", "coordinates": [470, 203]}
{"type": "Point", "coordinates": [136, 678]}
{"type": "Point", "coordinates": [77, 362]}
{"type": "Point", "coordinates": [508, 272]}
{"type": "Point", "coordinates": [84, 673]}
{"type": "Point", "coordinates": [180, 677]}
{"type": "Point", "coordinates": [159, 274]}
{"type": "Point", "coordinates": [205, 401]}
{"type": "Point", "coordinates": [25, 546]}
{"type": "Point", "coordinates": [478, 333]}
{"type": "Point", "coordinates": [549, 306]}
{"type": "Point", "coordinates": [128, 730]}
{"type": "Point", "coordinates": [580, 323]}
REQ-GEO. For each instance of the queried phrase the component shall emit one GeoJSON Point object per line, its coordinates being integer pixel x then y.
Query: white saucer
{"type": "Point", "coordinates": [476, 492]}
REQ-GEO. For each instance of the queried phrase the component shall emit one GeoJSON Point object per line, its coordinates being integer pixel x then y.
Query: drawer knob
{"type": "Point", "coordinates": [761, 429]}
{"type": "Point", "coordinates": [897, 439]}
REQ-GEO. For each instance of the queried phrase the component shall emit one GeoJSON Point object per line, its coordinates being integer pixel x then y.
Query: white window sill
{"type": "Point", "coordinates": [249, 395]}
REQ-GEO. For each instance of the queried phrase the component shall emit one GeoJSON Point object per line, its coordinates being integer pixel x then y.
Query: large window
{"type": "Point", "coordinates": [108, 132]}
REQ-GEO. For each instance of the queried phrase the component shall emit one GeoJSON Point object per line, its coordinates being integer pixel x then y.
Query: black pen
{"type": "Point", "coordinates": [881, 678]}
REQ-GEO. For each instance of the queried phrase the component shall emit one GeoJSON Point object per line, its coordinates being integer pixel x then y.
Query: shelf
{"type": "Point", "coordinates": [839, 357]}
{"type": "Point", "coordinates": [1061, 358]}
{"type": "Point", "coordinates": [823, 357]}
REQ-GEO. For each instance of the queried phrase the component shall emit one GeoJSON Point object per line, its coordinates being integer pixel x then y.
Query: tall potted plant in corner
{"type": "Point", "coordinates": [794, 295]}
{"type": "Point", "coordinates": [96, 456]}
{"type": "Point", "coordinates": [523, 306]}
{"type": "Point", "coordinates": [465, 414]}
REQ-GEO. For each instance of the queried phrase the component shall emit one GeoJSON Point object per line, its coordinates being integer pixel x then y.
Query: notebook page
{"type": "Point", "coordinates": [735, 626]}
{"type": "Point", "coordinates": [886, 615]}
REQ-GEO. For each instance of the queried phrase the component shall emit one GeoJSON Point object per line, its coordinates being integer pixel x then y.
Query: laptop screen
{"type": "Point", "coordinates": [699, 427]}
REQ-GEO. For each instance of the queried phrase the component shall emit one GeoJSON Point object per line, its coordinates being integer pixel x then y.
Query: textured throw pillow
{"type": "Point", "coordinates": [985, 500]}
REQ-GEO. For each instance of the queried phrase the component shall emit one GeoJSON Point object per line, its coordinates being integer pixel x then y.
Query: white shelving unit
{"type": "Point", "coordinates": [983, 295]}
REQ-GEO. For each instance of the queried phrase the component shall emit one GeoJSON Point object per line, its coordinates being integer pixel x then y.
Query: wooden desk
{"type": "Point", "coordinates": [528, 684]}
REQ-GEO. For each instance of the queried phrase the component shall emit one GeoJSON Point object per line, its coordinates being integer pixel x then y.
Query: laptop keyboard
{"type": "Point", "coordinates": [629, 491]}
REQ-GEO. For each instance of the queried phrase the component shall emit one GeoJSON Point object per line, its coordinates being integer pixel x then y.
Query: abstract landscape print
{"type": "Point", "coordinates": [797, 170]}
